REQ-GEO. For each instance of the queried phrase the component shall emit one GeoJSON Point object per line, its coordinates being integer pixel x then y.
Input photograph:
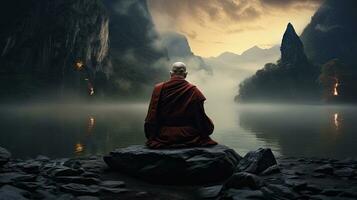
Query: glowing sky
{"type": "Point", "coordinates": [215, 26]}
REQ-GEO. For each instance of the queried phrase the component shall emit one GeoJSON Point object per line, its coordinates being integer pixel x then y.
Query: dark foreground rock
{"type": "Point", "coordinates": [89, 178]}
{"type": "Point", "coordinates": [175, 166]}
{"type": "Point", "coordinates": [4, 156]}
{"type": "Point", "coordinates": [257, 161]}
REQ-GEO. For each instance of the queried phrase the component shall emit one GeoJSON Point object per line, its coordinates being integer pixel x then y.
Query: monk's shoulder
{"type": "Point", "coordinates": [159, 84]}
{"type": "Point", "coordinates": [197, 93]}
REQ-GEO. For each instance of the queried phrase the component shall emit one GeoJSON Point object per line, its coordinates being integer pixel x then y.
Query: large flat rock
{"type": "Point", "coordinates": [175, 166]}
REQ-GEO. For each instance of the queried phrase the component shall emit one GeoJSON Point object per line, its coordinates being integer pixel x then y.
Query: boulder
{"type": "Point", "coordinates": [275, 191]}
{"type": "Point", "coordinates": [112, 184]}
{"type": "Point", "coordinates": [175, 166]}
{"type": "Point", "coordinates": [325, 169]}
{"type": "Point", "coordinates": [244, 180]}
{"type": "Point", "coordinates": [5, 156]}
{"type": "Point", "coordinates": [210, 192]}
{"type": "Point", "coordinates": [80, 189]}
{"type": "Point", "coordinates": [344, 172]}
{"type": "Point", "coordinates": [242, 194]}
{"type": "Point", "coordinates": [271, 170]}
{"type": "Point", "coordinates": [257, 161]}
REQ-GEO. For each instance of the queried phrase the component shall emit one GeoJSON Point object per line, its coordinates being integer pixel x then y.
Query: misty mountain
{"type": "Point", "coordinates": [137, 61]}
{"type": "Point", "coordinates": [178, 49]}
{"type": "Point", "coordinates": [248, 61]}
{"type": "Point", "coordinates": [332, 32]}
{"type": "Point", "coordinates": [292, 78]}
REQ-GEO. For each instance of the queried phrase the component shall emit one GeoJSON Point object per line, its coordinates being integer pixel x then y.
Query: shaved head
{"type": "Point", "coordinates": [179, 69]}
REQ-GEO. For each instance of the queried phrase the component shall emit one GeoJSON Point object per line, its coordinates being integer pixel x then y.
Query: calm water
{"type": "Point", "coordinates": [64, 131]}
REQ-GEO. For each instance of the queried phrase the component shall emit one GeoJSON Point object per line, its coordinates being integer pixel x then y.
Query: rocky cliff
{"type": "Point", "coordinates": [291, 79]}
{"type": "Point", "coordinates": [332, 32]}
{"type": "Point", "coordinates": [292, 49]}
{"type": "Point", "coordinates": [41, 40]}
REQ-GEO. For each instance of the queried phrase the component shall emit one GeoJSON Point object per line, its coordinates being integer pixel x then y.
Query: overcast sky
{"type": "Point", "coordinates": [215, 26]}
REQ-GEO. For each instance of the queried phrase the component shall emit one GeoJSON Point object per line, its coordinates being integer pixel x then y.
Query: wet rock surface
{"type": "Point", "coordinates": [89, 178]}
{"type": "Point", "coordinates": [257, 161]}
{"type": "Point", "coordinates": [175, 166]}
{"type": "Point", "coordinates": [4, 156]}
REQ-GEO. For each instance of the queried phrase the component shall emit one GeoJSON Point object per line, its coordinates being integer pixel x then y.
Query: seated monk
{"type": "Point", "coordinates": [176, 117]}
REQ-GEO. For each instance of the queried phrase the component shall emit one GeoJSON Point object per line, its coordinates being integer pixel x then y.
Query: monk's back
{"type": "Point", "coordinates": [176, 105]}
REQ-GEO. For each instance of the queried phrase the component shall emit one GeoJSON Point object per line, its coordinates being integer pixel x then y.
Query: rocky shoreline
{"type": "Point", "coordinates": [257, 175]}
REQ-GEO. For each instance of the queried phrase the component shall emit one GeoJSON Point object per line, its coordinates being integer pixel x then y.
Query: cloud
{"type": "Point", "coordinates": [325, 28]}
{"type": "Point", "coordinates": [289, 3]}
{"type": "Point", "coordinates": [243, 29]}
{"type": "Point", "coordinates": [213, 10]}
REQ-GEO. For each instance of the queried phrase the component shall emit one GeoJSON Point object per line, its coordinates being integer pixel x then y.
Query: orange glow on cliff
{"type": "Point", "coordinates": [335, 92]}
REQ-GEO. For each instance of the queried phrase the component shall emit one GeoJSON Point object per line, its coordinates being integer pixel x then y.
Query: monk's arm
{"type": "Point", "coordinates": [203, 123]}
{"type": "Point", "coordinates": [150, 130]}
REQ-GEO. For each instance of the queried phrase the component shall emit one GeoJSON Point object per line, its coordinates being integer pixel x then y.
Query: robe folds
{"type": "Point", "coordinates": [176, 116]}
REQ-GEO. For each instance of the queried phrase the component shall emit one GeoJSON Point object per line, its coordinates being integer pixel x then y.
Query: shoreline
{"type": "Point", "coordinates": [90, 178]}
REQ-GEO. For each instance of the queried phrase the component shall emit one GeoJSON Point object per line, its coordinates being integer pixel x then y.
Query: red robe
{"type": "Point", "coordinates": [176, 117]}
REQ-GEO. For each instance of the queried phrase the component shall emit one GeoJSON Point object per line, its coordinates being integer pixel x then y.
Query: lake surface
{"type": "Point", "coordinates": [77, 130]}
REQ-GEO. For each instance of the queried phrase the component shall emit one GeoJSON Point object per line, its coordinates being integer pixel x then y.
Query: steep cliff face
{"type": "Point", "coordinates": [332, 32]}
{"type": "Point", "coordinates": [292, 49]}
{"type": "Point", "coordinates": [137, 59]}
{"type": "Point", "coordinates": [178, 49]}
{"type": "Point", "coordinates": [41, 40]}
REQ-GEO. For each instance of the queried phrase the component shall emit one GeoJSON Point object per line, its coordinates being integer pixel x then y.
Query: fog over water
{"type": "Point", "coordinates": [64, 130]}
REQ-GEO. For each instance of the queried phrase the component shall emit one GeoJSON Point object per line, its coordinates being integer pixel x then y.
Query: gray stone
{"type": "Point", "coordinates": [113, 190]}
{"type": "Point", "coordinates": [271, 170]}
{"type": "Point", "coordinates": [331, 192]}
{"type": "Point", "coordinates": [94, 166]}
{"type": "Point", "coordinates": [90, 174]}
{"type": "Point", "coordinates": [242, 194]}
{"type": "Point", "coordinates": [257, 161]}
{"type": "Point", "coordinates": [112, 184]}
{"type": "Point", "coordinates": [313, 188]}
{"type": "Point", "coordinates": [10, 177]}
{"type": "Point", "coordinates": [325, 169]}
{"type": "Point", "coordinates": [63, 171]}
{"type": "Point", "coordinates": [42, 158]}
{"type": "Point", "coordinates": [15, 190]}
{"type": "Point", "coordinates": [87, 198]}
{"type": "Point", "coordinates": [31, 167]}
{"type": "Point", "coordinates": [272, 191]}
{"type": "Point", "coordinates": [318, 175]}
{"type": "Point", "coordinates": [80, 189]}
{"type": "Point", "coordinates": [31, 186]}
{"type": "Point", "coordinates": [65, 197]}
{"type": "Point", "coordinates": [244, 179]}
{"type": "Point", "coordinates": [73, 163]}
{"type": "Point", "coordinates": [10, 195]}
{"type": "Point", "coordinates": [45, 194]}
{"type": "Point", "coordinates": [297, 185]}
{"type": "Point", "coordinates": [5, 156]}
{"type": "Point", "coordinates": [210, 192]}
{"type": "Point", "coordinates": [77, 179]}
{"type": "Point", "coordinates": [344, 172]}
{"type": "Point", "coordinates": [177, 166]}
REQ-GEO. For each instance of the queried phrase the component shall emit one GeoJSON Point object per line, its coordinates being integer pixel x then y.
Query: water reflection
{"type": "Point", "coordinates": [91, 123]}
{"type": "Point", "coordinates": [78, 148]}
{"type": "Point", "coordinates": [78, 131]}
{"type": "Point", "coordinates": [304, 130]}
{"type": "Point", "coordinates": [70, 130]}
